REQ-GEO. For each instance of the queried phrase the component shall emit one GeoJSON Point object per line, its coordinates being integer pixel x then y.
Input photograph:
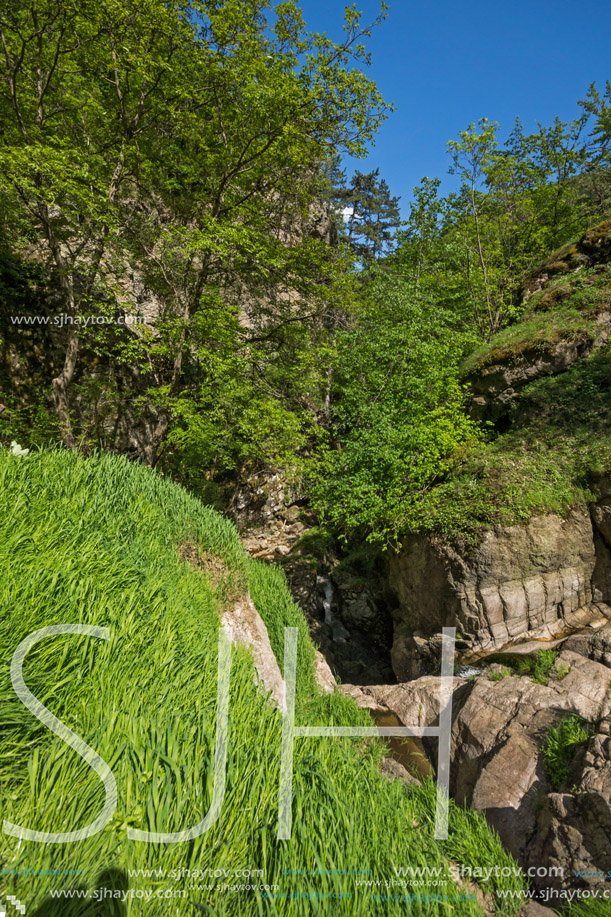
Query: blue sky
{"type": "Point", "coordinates": [446, 63]}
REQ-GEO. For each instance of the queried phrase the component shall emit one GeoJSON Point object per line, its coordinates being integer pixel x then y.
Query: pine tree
{"type": "Point", "coordinates": [374, 215]}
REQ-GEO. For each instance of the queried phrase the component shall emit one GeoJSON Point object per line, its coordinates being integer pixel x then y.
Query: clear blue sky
{"type": "Point", "coordinates": [447, 63]}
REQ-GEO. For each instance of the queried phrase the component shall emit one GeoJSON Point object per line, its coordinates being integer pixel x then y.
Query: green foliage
{"type": "Point", "coordinates": [175, 146]}
{"type": "Point", "coordinates": [588, 907]}
{"type": "Point", "coordinates": [504, 672]}
{"type": "Point", "coordinates": [559, 748]}
{"type": "Point", "coordinates": [548, 461]}
{"type": "Point", "coordinates": [397, 413]}
{"type": "Point", "coordinates": [537, 666]}
{"type": "Point", "coordinates": [101, 541]}
{"type": "Point", "coordinates": [567, 310]}
{"type": "Point", "coordinates": [516, 203]}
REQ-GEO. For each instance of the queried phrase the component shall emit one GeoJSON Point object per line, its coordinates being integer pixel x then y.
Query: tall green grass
{"type": "Point", "coordinates": [98, 541]}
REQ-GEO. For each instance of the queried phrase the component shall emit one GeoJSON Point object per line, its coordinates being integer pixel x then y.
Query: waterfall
{"type": "Point", "coordinates": [326, 602]}
{"type": "Point", "coordinates": [339, 634]}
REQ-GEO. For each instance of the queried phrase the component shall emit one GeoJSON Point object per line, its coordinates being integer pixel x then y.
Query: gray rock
{"type": "Point", "coordinates": [496, 386]}
{"type": "Point", "coordinates": [534, 909]}
{"type": "Point", "coordinates": [497, 763]}
{"type": "Point", "coordinates": [323, 674]}
{"type": "Point", "coordinates": [243, 624]}
{"type": "Point", "coordinates": [541, 580]}
{"type": "Point", "coordinates": [497, 767]}
{"type": "Point", "coordinates": [595, 645]}
{"type": "Point", "coordinates": [393, 770]}
{"type": "Point", "coordinates": [415, 703]}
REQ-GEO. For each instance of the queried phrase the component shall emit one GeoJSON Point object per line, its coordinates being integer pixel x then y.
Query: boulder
{"type": "Point", "coordinates": [534, 909]}
{"type": "Point", "coordinates": [498, 729]}
{"type": "Point", "coordinates": [392, 770]}
{"type": "Point", "coordinates": [414, 703]}
{"type": "Point", "coordinates": [497, 734]}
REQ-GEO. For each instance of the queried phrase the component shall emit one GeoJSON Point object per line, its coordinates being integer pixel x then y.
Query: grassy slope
{"type": "Point", "coordinates": [558, 444]}
{"type": "Point", "coordinates": [97, 541]}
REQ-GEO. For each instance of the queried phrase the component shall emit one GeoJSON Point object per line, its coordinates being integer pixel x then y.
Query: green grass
{"type": "Point", "coordinates": [536, 666]}
{"type": "Point", "coordinates": [498, 676]}
{"type": "Point", "coordinates": [561, 743]}
{"type": "Point", "coordinates": [98, 541]}
{"type": "Point", "coordinates": [552, 456]}
{"type": "Point", "coordinates": [589, 907]}
{"type": "Point", "coordinates": [565, 310]}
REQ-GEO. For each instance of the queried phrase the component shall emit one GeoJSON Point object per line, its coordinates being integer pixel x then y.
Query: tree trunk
{"type": "Point", "coordinates": [60, 390]}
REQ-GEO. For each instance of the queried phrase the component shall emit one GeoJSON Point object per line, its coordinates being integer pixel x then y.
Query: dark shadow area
{"type": "Point", "coordinates": [104, 899]}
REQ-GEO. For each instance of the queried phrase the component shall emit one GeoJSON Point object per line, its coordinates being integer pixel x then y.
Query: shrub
{"type": "Point", "coordinates": [538, 666]}
{"type": "Point", "coordinates": [560, 745]}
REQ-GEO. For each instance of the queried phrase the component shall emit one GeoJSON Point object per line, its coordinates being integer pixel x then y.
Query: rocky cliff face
{"type": "Point", "coordinates": [536, 581]}
{"type": "Point", "coordinates": [545, 385]}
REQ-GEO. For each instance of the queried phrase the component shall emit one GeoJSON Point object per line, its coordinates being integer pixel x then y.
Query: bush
{"type": "Point", "coordinates": [560, 745]}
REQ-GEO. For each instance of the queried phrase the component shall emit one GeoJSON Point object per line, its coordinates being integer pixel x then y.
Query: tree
{"type": "Point", "coordinates": [597, 108]}
{"type": "Point", "coordinates": [398, 413]}
{"type": "Point", "coordinates": [515, 204]}
{"type": "Point", "coordinates": [372, 215]}
{"type": "Point", "coordinates": [180, 140]}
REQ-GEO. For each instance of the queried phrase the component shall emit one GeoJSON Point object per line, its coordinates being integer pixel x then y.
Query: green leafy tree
{"type": "Point", "coordinates": [179, 141]}
{"type": "Point", "coordinates": [398, 418]}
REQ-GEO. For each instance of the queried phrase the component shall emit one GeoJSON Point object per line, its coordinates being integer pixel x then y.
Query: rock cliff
{"type": "Point", "coordinates": [533, 581]}
{"type": "Point", "coordinates": [533, 557]}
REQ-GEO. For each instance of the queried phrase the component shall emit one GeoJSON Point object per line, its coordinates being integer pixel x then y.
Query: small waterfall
{"type": "Point", "coordinates": [339, 634]}
{"type": "Point", "coordinates": [326, 602]}
{"type": "Point", "coordinates": [467, 671]}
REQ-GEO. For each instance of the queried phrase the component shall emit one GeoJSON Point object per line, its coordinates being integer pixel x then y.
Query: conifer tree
{"type": "Point", "coordinates": [373, 215]}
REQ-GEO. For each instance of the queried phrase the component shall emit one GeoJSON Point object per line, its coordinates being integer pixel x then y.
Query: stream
{"type": "Point", "coordinates": [410, 752]}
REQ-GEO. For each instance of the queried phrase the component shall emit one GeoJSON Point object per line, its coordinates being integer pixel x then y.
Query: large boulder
{"type": "Point", "coordinates": [497, 736]}
{"type": "Point", "coordinates": [573, 827]}
{"type": "Point", "coordinates": [499, 726]}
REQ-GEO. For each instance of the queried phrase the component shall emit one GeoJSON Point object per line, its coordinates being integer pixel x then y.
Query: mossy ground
{"type": "Point", "coordinates": [556, 449]}
{"type": "Point", "coordinates": [567, 309]}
